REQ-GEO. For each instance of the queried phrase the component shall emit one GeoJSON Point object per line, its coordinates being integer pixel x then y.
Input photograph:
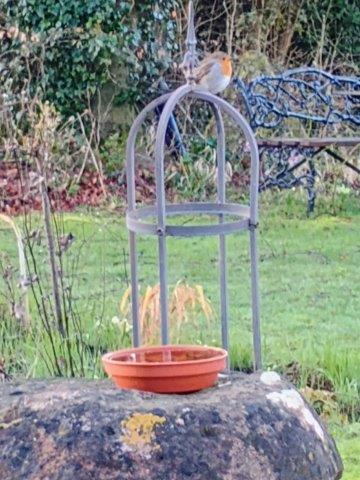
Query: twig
{"type": "Point", "coordinates": [93, 157]}
{"type": "Point", "coordinates": [52, 260]}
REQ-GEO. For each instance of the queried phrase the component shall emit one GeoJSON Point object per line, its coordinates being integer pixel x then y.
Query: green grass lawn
{"type": "Point", "coordinates": [309, 284]}
{"type": "Point", "coordinates": [348, 442]}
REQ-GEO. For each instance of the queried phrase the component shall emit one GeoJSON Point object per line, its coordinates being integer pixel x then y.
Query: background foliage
{"type": "Point", "coordinates": [88, 44]}
{"type": "Point", "coordinates": [82, 41]}
{"type": "Point", "coordinates": [334, 26]}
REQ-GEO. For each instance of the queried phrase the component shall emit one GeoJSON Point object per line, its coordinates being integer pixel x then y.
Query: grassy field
{"type": "Point", "coordinates": [310, 302]}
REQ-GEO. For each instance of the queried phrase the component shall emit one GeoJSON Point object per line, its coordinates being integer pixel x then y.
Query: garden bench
{"type": "Point", "coordinates": [310, 102]}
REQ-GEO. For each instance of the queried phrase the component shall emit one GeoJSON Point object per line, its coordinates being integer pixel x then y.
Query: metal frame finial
{"type": "Point", "coordinates": [190, 57]}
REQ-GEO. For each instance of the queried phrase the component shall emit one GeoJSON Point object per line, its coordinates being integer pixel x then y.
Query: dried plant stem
{"type": "Point", "coordinates": [22, 267]}
{"type": "Point", "coordinates": [52, 260]}
{"type": "Point", "coordinates": [40, 302]}
{"type": "Point", "coordinates": [65, 311]}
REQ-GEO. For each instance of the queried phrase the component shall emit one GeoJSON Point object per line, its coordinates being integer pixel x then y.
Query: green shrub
{"type": "Point", "coordinates": [112, 153]}
{"type": "Point", "coordinates": [78, 42]}
{"type": "Point", "coordinates": [330, 26]}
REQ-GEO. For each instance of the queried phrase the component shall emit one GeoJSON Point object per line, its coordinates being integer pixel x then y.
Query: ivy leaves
{"type": "Point", "coordinates": [80, 41]}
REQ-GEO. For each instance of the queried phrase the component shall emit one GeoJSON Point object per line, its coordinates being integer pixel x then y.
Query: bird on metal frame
{"type": "Point", "coordinates": [214, 72]}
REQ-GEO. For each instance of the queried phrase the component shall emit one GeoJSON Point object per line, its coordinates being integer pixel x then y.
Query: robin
{"type": "Point", "coordinates": [214, 72]}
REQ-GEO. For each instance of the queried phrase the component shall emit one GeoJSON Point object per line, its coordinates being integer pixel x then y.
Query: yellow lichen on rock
{"type": "Point", "coordinates": [139, 429]}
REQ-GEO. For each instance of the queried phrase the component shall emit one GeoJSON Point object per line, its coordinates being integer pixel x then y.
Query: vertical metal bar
{"type": "Point", "coordinates": [253, 223]}
{"type": "Point", "coordinates": [310, 187]}
{"type": "Point", "coordinates": [163, 289]}
{"type": "Point", "coordinates": [131, 200]}
{"type": "Point", "coordinates": [161, 231]}
{"type": "Point", "coordinates": [161, 227]}
{"type": "Point", "coordinates": [253, 220]}
{"type": "Point", "coordinates": [161, 208]}
{"type": "Point", "coordinates": [159, 175]}
{"type": "Point", "coordinates": [221, 197]}
{"type": "Point", "coordinates": [255, 298]}
{"type": "Point", "coordinates": [134, 291]}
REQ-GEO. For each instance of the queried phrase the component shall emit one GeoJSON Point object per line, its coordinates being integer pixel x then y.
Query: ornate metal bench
{"type": "Point", "coordinates": [311, 101]}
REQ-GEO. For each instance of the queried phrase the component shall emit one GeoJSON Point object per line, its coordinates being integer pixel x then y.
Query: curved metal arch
{"type": "Point", "coordinates": [130, 146]}
{"type": "Point", "coordinates": [213, 100]}
{"type": "Point", "coordinates": [174, 98]}
{"type": "Point", "coordinates": [168, 108]}
{"type": "Point", "coordinates": [130, 180]}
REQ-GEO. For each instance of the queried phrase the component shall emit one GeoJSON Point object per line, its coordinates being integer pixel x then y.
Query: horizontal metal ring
{"type": "Point", "coordinates": [135, 223]}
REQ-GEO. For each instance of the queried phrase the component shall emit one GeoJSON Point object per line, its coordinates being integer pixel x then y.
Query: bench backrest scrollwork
{"type": "Point", "coordinates": [306, 94]}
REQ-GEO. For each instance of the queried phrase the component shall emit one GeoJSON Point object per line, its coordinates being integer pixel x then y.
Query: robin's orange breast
{"type": "Point", "coordinates": [226, 68]}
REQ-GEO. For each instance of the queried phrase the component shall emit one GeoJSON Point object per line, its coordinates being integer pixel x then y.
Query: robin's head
{"type": "Point", "coordinates": [221, 57]}
{"type": "Point", "coordinates": [224, 60]}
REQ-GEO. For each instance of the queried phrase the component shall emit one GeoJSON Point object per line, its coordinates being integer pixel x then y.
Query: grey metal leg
{"type": "Point", "coordinates": [134, 291]}
{"type": "Point", "coordinates": [163, 289]}
{"type": "Point", "coordinates": [221, 195]}
{"type": "Point", "coordinates": [255, 298]}
{"type": "Point", "coordinates": [223, 292]}
{"type": "Point", "coordinates": [310, 187]}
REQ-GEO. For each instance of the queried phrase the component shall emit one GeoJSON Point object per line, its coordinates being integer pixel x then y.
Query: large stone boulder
{"type": "Point", "coordinates": [255, 427]}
